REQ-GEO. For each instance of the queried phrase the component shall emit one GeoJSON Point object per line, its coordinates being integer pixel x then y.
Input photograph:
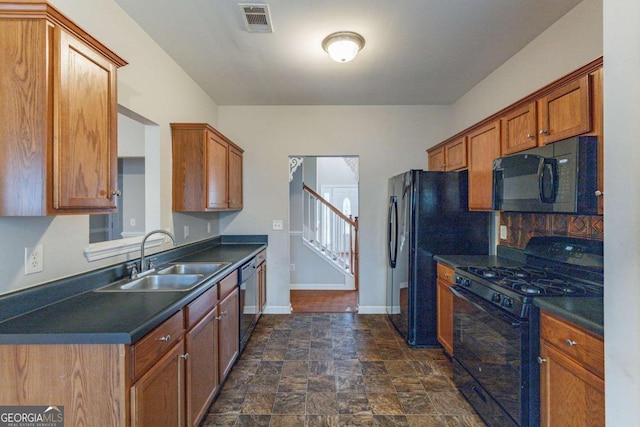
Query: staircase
{"type": "Point", "coordinates": [330, 233]}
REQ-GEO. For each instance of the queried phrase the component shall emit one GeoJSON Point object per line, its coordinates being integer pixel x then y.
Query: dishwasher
{"type": "Point", "coordinates": [248, 284]}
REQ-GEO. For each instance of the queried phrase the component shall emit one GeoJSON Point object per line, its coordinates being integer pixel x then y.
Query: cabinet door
{"type": "Point", "coordinates": [519, 130]}
{"type": "Point", "coordinates": [455, 154]}
{"type": "Point", "coordinates": [569, 394]}
{"type": "Point", "coordinates": [201, 367]}
{"type": "Point", "coordinates": [235, 178]}
{"type": "Point", "coordinates": [436, 160]}
{"type": "Point", "coordinates": [229, 333]}
{"type": "Point", "coordinates": [565, 112]}
{"type": "Point", "coordinates": [484, 146]}
{"type": "Point", "coordinates": [157, 399]}
{"type": "Point", "coordinates": [217, 172]}
{"type": "Point", "coordinates": [445, 315]}
{"type": "Point", "coordinates": [85, 139]}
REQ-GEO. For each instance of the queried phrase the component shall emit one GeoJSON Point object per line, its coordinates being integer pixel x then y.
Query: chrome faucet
{"type": "Point", "coordinates": [143, 265]}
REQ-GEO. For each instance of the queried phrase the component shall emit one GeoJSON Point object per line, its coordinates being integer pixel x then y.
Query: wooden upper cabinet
{"type": "Point", "coordinates": [58, 102]}
{"type": "Point", "coordinates": [436, 159]}
{"type": "Point", "coordinates": [484, 146]}
{"type": "Point", "coordinates": [565, 112]}
{"type": "Point", "coordinates": [217, 152]}
{"type": "Point", "coordinates": [235, 178]}
{"type": "Point", "coordinates": [451, 156]}
{"type": "Point", "coordinates": [207, 169]}
{"type": "Point", "coordinates": [519, 130]}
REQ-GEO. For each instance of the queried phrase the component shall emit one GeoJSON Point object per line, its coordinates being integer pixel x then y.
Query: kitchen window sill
{"type": "Point", "coordinates": [102, 250]}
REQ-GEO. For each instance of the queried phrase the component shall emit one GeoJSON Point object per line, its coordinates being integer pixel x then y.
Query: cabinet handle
{"type": "Point", "coordinates": [224, 313]}
{"type": "Point", "coordinates": [570, 342]}
{"type": "Point", "coordinates": [184, 356]}
{"type": "Point", "coordinates": [116, 193]}
{"type": "Point", "coordinates": [530, 136]}
{"type": "Point", "coordinates": [543, 132]}
{"type": "Point", "coordinates": [165, 339]}
{"type": "Point", "coordinates": [599, 193]}
{"type": "Point", "coordinates": [541, 360]}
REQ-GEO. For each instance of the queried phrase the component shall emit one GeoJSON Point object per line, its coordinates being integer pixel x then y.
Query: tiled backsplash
{"type": "Point", "coordinates": [522, 226]}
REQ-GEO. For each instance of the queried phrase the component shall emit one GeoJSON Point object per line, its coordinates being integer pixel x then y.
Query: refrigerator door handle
{"type": "Point", "coordinates": [393, 225]}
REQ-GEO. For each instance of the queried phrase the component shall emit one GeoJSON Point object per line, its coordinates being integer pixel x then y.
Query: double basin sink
{"type": "Point", "coordinates": [172, 277]}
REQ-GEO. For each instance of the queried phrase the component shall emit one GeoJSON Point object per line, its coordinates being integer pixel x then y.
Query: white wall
{"type": "Point", "coordinates": [388, 139]}
{"type": "Point", "coordinates": [153, 86]}
{"type": "Point", "coordinates": [622, 207]}
{"type": "Point", "coordinates": [573, 41]}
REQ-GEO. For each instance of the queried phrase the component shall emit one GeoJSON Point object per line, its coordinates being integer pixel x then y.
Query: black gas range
{"type": "Point", "coordinates": [496, 325]}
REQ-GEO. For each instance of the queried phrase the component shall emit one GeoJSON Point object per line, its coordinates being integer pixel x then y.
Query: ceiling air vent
{"type": "Point", "coordinates": [256, 17]}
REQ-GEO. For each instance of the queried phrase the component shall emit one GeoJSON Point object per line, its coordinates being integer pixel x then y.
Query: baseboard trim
{"type": "Point", "coordinates": [372, 309]}
{"type": "Point", "coordinates": [320, 287]}
{"type": "Point", "coordinates": [277, 309]}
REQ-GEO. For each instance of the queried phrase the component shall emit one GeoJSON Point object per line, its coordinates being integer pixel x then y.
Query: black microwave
{"type": "Point", "coordinates": [556, 178]}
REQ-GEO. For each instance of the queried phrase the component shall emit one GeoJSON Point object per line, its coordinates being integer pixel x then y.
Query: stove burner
{"type": "Point", "coordinates": [532, 281]}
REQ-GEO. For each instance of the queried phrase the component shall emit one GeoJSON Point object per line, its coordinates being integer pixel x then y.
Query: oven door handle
{"type": "Point", "coordinates": [460, 293]}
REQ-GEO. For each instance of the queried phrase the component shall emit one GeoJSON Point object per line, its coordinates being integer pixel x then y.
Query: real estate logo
{"type": "Point", "coordinates": [31, 416]}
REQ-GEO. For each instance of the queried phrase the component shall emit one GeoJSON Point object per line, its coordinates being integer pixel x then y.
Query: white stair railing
{"type": "Point", "coordinates": [332, 233]}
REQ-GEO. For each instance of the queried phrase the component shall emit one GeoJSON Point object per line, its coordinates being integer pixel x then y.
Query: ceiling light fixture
{"type": "Point", "coordinates": [343, 46]}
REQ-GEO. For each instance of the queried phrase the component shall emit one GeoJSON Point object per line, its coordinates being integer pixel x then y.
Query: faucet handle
{"type": "Point", "coordinates": [151, 262]}
{"type": "Point", "coordinates": [133, 269]}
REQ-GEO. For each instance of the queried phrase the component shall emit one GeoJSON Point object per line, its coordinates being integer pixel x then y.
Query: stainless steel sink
{"type": "Point", "coordinates": [155, 283]}
{"type": "Point", "coordinates": [204, 268]}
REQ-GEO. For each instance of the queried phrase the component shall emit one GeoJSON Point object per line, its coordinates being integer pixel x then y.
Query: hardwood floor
{"type": "Point", "coordinates": [306, 301]}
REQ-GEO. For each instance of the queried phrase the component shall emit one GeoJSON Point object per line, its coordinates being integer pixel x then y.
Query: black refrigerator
{"type": "Point", "coordinates": [427, 215]}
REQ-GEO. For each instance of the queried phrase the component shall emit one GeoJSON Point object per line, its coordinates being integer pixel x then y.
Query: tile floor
{"type": "Point", "coordinates": [337, 370]}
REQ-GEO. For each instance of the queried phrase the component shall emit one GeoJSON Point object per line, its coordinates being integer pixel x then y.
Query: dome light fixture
{"type": "Point", "coordinates": [343, 46]}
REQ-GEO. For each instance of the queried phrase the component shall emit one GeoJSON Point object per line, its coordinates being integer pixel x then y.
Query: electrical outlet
{"type": "Point", "coordinates": [277, 224]}
{"type": "Point", "coordinates": [33, 260]}
{"type": "Point", "coordinates": [186, 231]}
{"type": "Point", "coordinates": [292, 267]}
{"type": "Point", "coordinates": [208, 227]}
{"type": "Point", "coordinates": [503, 232]}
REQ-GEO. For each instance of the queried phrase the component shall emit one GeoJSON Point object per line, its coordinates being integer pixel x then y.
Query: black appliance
{"type": "Point", "coordinates": [427, 215]}
{"type": "Point", "coordinates": [496, 326]}
{"type": "Point", "coordinates": [559, 177]}
{"type": "Point", "coordinates": [248, 284]}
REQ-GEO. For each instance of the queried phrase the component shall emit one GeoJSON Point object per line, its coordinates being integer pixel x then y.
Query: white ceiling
{"type": "Point", "coordinates": [417, 52]}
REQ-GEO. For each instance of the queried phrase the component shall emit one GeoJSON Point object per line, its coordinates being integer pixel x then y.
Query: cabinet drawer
{"type": "Point", "coordinates": [575, 342]}
{"type": "Point", "coordinates": [200, 306]}
{"type": "Point", "coordinates": [153, 345]}
{"type": "Point", "coordinates": [445, 273]}
{"type": "Point", "coordinates": [227, 284]}
{"type": "Point", "coordinates": [261, 257]}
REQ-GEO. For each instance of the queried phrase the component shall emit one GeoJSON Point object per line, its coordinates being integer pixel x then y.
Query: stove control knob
{"type": "Point", "coordinates": [463, 281]}
{"type": "Point", "coordinates": [507, 302]}
{"type": "Point", "coordinates": [496, 297]}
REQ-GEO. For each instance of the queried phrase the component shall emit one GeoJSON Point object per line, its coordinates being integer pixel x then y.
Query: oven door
{"type": "Point", "coordinates": [488, 348]}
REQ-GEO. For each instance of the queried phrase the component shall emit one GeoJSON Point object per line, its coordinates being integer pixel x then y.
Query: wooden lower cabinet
{"type": "Point", "coordinates": [201, 367]}
{"type": "Point", "coordinates": [571, 375]}
{"type": "Point", "coordinates": [157, 398]}
{"type": "Point", "coordinates": [229, 333]}
{"type": "Point", "coordinates": [444, 299]}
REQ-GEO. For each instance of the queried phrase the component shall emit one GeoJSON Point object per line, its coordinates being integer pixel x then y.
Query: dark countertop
{"type": "Point", "coordinates": [586, 312]}
{"type": "Point", "coordinates": [472, 260]}
{"type": "Point", "coordinates": [117, 317]}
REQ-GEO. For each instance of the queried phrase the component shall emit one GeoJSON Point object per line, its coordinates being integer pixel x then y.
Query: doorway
{"type": "Point", "coordinates": [323, 217]}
